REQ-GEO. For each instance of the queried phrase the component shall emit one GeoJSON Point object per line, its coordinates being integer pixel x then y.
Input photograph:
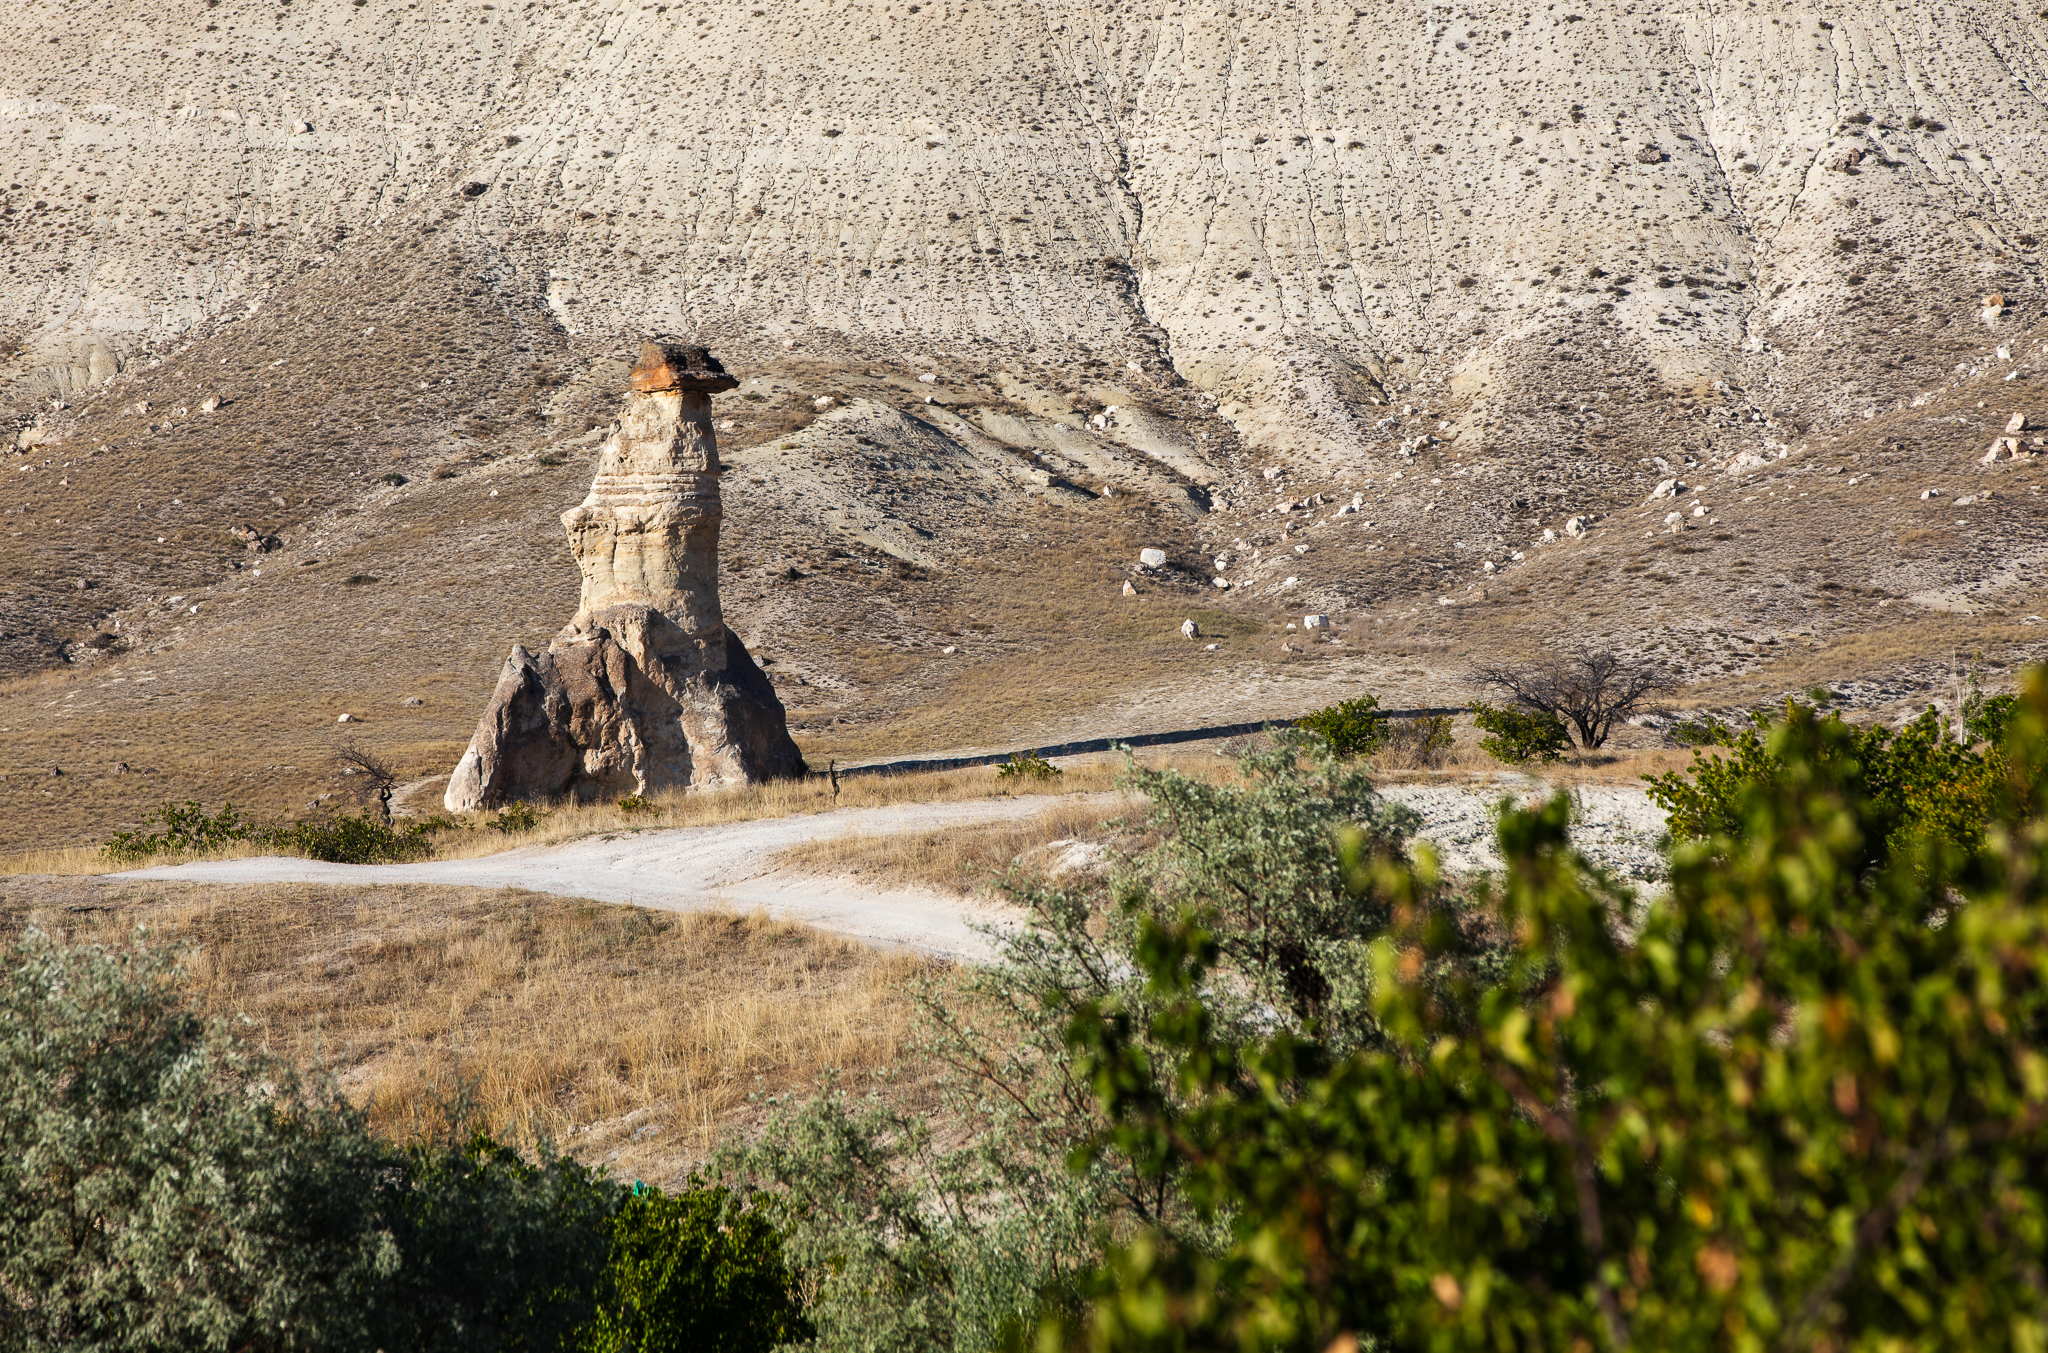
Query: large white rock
{"type": "Point", "coordinates": [1152, 558]}
{"type": "Point", "coordinates": [1315, 622]}
{"type": "Point", "coordinates": [1190, 630]}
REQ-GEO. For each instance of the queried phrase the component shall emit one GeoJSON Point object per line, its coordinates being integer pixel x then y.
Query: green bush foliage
{"type": "Point", "coordinates": [1026, 766]}
{"type": "Point", "coordinates": [1516, 735]}
{"type": "Point", "coordinates": [1350, 727]}
{"type": "Point", "coordinates": [164, 1188]}
{"type": "Point", "coordinates": [1421, 741]}
{"type": "Point", "coordinates": [515, 819]}
{"type": "Point", "coordinates": [1801, 1101]}
{"type": "Point", "coordinates": [693, 1272]}
{"type": "Point", "coordinates": [1920, 780]}
{"type": "Point", "coordinates": [354, 839]}
{"type": "Point", "coordinates": [635, 803]}
{"type": "Point", "coordinates": [148, 1199]}
{"type": "Point", "coordinates": [185, 828]}
{"type": "Point", "coordinates": [911, 1245]}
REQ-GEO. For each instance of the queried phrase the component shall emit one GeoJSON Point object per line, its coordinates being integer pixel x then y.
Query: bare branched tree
{"type": "Point", "coordinates": [1592, 689]}
{"type": "Point", "coordinates": [383, 779]}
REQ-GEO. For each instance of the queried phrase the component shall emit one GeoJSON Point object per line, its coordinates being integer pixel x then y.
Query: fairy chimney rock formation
{"type": "Point", "coordinates": [645, 689]}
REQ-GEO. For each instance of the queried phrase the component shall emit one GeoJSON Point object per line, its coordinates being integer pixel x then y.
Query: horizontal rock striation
{"type": "Point", "coordinates": [646, 688]}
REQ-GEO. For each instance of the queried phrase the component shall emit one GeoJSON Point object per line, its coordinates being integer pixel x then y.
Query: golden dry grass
{"type": "Point", "coordinates": [630, 1037]}
{"type": "Point", "coordinates": [965, 860]}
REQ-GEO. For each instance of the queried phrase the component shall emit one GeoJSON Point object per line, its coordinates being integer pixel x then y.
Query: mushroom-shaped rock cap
{"type": "Point", "coordinates": [677, 366]}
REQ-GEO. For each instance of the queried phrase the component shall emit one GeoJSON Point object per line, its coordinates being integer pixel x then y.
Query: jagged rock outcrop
{"type": "Point", "coordinates": [646, 689]}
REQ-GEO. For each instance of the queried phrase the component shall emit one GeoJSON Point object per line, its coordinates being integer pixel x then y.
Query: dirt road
{"type": "Point", "coordinates": [722, 868]}
{"type": "Point", "coordinates": [731, 867]}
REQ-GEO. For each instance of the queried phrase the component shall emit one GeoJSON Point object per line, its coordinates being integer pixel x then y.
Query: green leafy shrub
{"type": "Point", "coordinates": [186, 828]}
{"type": "Point", "coordinates": [164, 1188]}
{"type": "Point", "coordinates": [500, 1252]}
{"type": "Point", "coordinates": [693, 1271]}
{"type": "Point", "coordinates": [915, 1245]}
{"type": "Point", "coordinates": [354, 839]}
{"type": "Point", "coordinates": [150, 1196]}
{"type": "Point", "coordinates": [1800, 1101]}
{"type": "Point", "coordinates": [1702, 732]}
{"type": "Point", "coordinates": [1986, 718]}
{"type": "Point", "coordinates": [1516, 735]}
{"type": "Point", "coordinates": [1350, 727]}
{"type": "Point", "coordinates": [1026, 766]}
{"type": "Point", "coordinates": [635, 803]}
{"type": "Point", "coordinates": [1919, 779]}
{"type": "Point", "coordinates": [517, 818]}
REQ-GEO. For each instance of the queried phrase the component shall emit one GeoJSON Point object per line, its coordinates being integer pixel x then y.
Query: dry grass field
{"type": "Point", "coordinates": [632, 1038]}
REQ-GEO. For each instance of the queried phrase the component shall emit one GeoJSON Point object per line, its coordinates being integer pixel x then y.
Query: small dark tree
{"type": "Point", "coordinates": [383, 779]}
{"type": "Point", "coordinates": [1591, 689]}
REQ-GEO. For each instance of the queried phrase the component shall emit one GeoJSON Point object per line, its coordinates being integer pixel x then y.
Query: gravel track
{"type": "Point", "coordinates": [730, 867]}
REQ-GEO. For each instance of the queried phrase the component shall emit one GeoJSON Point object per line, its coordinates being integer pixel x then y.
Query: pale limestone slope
{"type": "Point", "coordinates": [1279, 199]}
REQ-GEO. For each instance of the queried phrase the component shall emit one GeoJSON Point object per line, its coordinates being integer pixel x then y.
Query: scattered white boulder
{"type": "Point", "coordinates": [1576, 527]}
{"type": "Point", "coordinates": [1486, 567]}
{"type": "Point", "coordinates": [823, 402]}
{"type": "Point", "coordinates": [1929, 493]}
{"type": "Point", "coordinates": [1699, 509]}
{"type": "Point", "coordinates": [1190, 630]}
{"type": "Point", "coordinates": [1210, 648]}
{"type": "Point", "coordinates": [929, 377]}
{"type": "Point", "coordinates": [1549, 536]}
{"type": "Point", "coordinates": [209, 404]}
{"type": "Point", "coordinates": [1315, 622]}
{"type": "Point", "coordinates": [1129, 590]}
{"type": "Point", "coordinates": [1670, 517]}
{"type": "Point", "coordinates": [1223, 584]}
{"type": "Point", "coordinates": [301, 128]}
{"type": "Point", "coordinates": [1152, 558]}
{"type": "Point", "coordinates": [1272, 472]}
{"type": "Point", "coordinates": [2015, 424]}
{"type": "Point", "coordinates": [950, 649]}
{"type": "Point", "coordinates": [1669, 488]}
{"type": "Point", "coordinates": [346, 718]}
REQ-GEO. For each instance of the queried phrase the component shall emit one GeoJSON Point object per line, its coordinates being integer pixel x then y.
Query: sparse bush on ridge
{"type": "Point", "coordinates": [1026, 766]}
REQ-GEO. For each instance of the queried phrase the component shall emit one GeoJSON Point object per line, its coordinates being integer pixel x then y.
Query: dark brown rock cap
{"type": "Point", "coordinates": [666, 365]}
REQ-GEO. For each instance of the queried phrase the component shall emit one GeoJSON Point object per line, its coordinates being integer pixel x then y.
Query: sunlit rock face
{"type": "Point", "coordinates": [645, 689]}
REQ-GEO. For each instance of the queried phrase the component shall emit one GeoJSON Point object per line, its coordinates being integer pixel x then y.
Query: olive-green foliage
{"type": "Point", "coordinates": [1801, 1101]}
{"type": "Point", "coordinates": [1516, 735]}
{"type": "Point", "coordinates": [342, 839]}
{"type": "Point", "coordinates": [635, 803]}
{"type": "Point", "coordinates": [1350, 727]}
{"type": "Point", "coordinates": [165, 1189]}
{"type": "Point", "coordinates": [915, 1246]}
{"type": "Point", "coordinates": [1919, 779]}
{"type": "Point", "coordinates": [353, 839]}
{"type": "Point", "coordinates": [693, 1272]}
{"type": "Point", "coordinates": [516, 818]}
{"type": "Point", "coordinates": [148, 1199]}
{"type": "Point", "coordinates": [186, 828]}
{"type": "Point", "coordinates": [1026, 766]}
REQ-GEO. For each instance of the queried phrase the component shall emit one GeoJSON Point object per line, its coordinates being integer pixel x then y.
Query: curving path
{"type": "Point", "coordinates": [722, 868]}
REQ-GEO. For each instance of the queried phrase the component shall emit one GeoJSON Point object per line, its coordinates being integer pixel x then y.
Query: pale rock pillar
{"type": "Point", "coordinates": [646, 688]}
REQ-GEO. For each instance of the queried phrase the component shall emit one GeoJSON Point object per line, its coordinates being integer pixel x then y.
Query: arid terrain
{"type": "Point", "coordinates": [315, 314]}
